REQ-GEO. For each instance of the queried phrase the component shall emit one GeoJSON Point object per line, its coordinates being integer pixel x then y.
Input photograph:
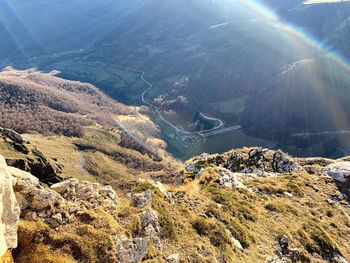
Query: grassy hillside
{"type": "Point", "coordinates": [102, 139]}
{"type": "Point", "coordinates": [298, 215]}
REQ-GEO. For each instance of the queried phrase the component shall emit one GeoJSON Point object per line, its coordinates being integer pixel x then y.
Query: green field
{"type": "Point", "coordinates": [232, 106]}
{"type": "Point", "coordinates": [121, 84]}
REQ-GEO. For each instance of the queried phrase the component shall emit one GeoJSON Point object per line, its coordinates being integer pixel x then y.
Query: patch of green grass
{"type": "Point", "coordinates": [166, 220]}
{"type": "Point", "coordinates": [237, 229]}
{"type": "Point", "coordinates": [281, 207]}
{"type": "Point", "coordinates": [211, 229]}
{"type": "Point", "coordinates": [238, 203]}
{"type": "Point", "coordinates": [316, 239]}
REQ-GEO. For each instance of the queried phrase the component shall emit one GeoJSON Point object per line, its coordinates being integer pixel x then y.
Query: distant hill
{"type": "Point", "coordinates": [35, 101]}
{"type": "Point", "coordinates": [232, 56]}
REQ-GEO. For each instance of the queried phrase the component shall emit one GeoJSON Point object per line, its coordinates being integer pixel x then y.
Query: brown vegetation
{"type": "Point", "coordinates": [32, 101]}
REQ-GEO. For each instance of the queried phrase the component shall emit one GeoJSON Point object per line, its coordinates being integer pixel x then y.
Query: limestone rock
{"type": "Point", "coordinates": [31, 195]}
{"type": "Point", "coordinates": [131, 250]}
{"type": "Point", "coordinates": [340, 259]}
{"type": "Point", "coordinates": [282, 163]}
{"type": "Point", "coordinates": [134, 249]}
{"type": "Point", "coordinates": [234, 162]}
{"type": "Point", "coordinates": [93, 195]}
{"type": "Point", "coordinates": [12, 135]}
{"type": "Point", "coordinates": [283, 245]}
{"type": "Point", "coordinates": [160, 187]}
{"type": "Point", "coordinates": [174, 258]}
{"type": "Point", "coordinates": [340, 171]}
{"type": "Point", "coordinates": [18, 174]}
{"type": "Point", "coordinates": [149, 217]}
{"type": "Point", "coordinates": [143, 199]}
{"type": "Point", "coordinates": [276, 260]}
{"type": "Point", "coordinates": [235, 241]}
{"type": "Point", "coordinates": [9, 210]}
{"type": "Point", "coordinates": [229, 179]}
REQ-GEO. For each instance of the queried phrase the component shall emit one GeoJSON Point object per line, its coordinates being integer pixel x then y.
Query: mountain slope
{"type": "Point", "coordinates": [33, 101]}
{"type": "Point", "coordinates": [226, 56]}
{"type": "Point", "coordinates": [246, 205]}
{"type": "Point", "coordinates": [217, 57]}
{"type": "Point", "coordinates": [112, 195]}
{"type": "Point", "coordinates": [101, 136]}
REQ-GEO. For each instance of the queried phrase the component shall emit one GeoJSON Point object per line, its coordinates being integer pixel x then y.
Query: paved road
{"type": "Point", "coordinates": [150, 104]}
{"type": "Point", "coordinates": [232, 128]}
{"type": "Point", "coordinates": [220, 122]}
{"type": "Point", "coordinates": [177, 129]}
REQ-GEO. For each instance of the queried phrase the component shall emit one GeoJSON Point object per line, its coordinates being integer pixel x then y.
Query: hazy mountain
{"type": "Point", "coordinates": [219, 57]}
{"type": "Point", "coordinates": [240, 64]}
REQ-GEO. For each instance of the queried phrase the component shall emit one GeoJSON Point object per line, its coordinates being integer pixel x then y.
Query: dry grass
{"type": "Point", "coordinates": [7, 150]}
{"type": "Point", "coordinates": [29, 251]}
{"type": "Point", "coordinates": [64, 150]}
{"type": "Point", "coordinates": [196, 224]}
{"type": "Point", "coordinates": [283, 205]}
{"type": "Point", "coordinates": [82, 241]}
{"type": "Point", "coordinates": [97, 156]}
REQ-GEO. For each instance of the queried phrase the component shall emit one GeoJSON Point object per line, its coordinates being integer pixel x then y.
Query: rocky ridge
{"type": "Point", "coordinates": [232, 167]}
{"type": "Point", "coordinates": [216, 210]}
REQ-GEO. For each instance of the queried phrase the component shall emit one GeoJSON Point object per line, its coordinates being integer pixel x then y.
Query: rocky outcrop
{"type": "Point", "coordinates": [240, 163]}
{"type": "Point", "coordinates": [87, 194]}
{"type": "Point", "coordinates": [143, 199]}
{"type": "Point", "coordinates": [283, 163]}
{"type": "Point", "coordinates": [134, 249]}
{"type": "Point", "coordinates": [259, 161]}
{"type": "Point", "coordinates": [12, 135]}
{"type": "Point", "coordinates": [22, 195]}
{"type": "Point", "coordinates": [39, 166]}
{"type": "Point", "coordinates": [340, 171]}
{"type": "Point", "coordinates": [15, 139]}
{"type": "Point", "coordinates": [33, 161]}
{"type": "Point", "coordinates": [57, 204]}
{"type": "Point", "coordinates": [229, 179]}
{"type": "Point", "coordinates": [9, 210]}
{"type": "Point", "coordinates": [174, 258]}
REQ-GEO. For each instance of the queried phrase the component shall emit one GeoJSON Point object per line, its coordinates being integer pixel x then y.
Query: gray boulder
{"type": "Point", "coordinates": [282, 163]}
{"type": "Point", "coordinates": [143, 199]}
{"type": "Point", "coordinates": [229, 179]}
{"type": "Point", "coordinates": [340, 171]}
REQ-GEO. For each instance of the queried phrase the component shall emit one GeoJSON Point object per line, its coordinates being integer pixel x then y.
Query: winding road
{"type": "Point", "coordinates": [197, 135]}
{"type": "Point", "coordinates": [203, 133]}
{"type": "Point", "coordinates": [177, 129]}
